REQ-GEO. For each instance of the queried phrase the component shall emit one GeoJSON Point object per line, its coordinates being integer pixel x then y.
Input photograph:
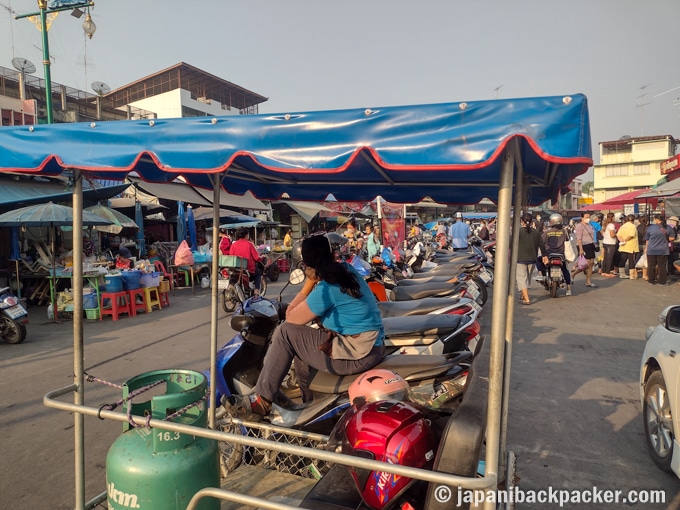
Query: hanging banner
{"type": "Point", "coordinates": [341, 208]}
{"type": "Point", "coordinates": [392, 224]}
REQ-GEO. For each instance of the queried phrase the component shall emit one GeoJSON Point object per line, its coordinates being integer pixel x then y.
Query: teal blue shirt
{"type": "Point", "coordinates": [344, 314]}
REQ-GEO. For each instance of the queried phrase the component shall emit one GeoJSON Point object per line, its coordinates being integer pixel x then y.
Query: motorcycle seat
{"type": "Point", "coordinates": [421, 325]}
{"type": "Point", "coordinates": [408, 367]}
{"type": "Point", "coordinates": [414, 307]}
{"type": "Point", "coordinates": [435, 278]}
{"type": "Point", "coordinates": [421, 291]}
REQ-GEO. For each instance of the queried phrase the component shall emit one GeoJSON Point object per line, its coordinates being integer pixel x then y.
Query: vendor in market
{"type": "Point", "coordinates": [123, 258]}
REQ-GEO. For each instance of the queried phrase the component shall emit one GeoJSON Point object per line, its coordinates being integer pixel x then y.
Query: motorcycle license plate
{"type": "Point", "coordinates": [476, 306]}
{"type": "Point", "coordinates": [473, 291]}
{"type": "Point", "coordinates": [486, 277]}
{"type": "Point", "coordinates": [15, 311]}
{"type": "Point", "coordinates": [555, 272]}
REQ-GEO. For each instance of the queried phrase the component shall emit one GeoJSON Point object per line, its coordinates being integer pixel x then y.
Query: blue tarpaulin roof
{"type": "Point", "coordinates": [450, 152]}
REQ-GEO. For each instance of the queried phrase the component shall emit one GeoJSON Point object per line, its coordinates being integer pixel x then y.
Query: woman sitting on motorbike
{"type": "Point", "coordinates": [351, 339]}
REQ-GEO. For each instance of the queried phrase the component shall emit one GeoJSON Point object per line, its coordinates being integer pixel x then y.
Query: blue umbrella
{"type": "Point", "coordinates": [192, 228]}
{"type": "Point", "coordinates": [181, 223]}
{"type": "Point", "coordinates": [139, 219]}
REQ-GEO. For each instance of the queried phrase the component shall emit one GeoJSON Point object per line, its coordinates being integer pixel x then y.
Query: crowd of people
{"type": "Point", "coordinates": [614, 245]}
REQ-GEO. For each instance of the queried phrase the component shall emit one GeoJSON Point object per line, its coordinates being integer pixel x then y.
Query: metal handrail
{"type": "Point", "coordinates": [484, 482]}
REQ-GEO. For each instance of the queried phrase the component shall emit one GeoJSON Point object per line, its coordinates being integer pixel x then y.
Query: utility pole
{"type": "Point", "coordinates": [641, 106]}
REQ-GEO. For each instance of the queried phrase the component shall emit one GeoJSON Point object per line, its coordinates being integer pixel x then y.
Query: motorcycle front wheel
{"type": "Point", "coordinates": [273, 272]}
{"type": "Point", "coordinates": [229, 299]}
{"type": "Point", "coordinates": [481, 286]}
{"type": "Point", "coordinates": [13, 333]}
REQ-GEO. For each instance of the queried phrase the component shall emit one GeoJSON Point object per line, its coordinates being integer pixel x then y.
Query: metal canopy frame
{"type": "Point", "coordinates": [509, 163]}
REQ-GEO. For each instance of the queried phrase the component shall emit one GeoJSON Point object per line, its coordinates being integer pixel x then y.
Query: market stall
{"type": "Point", "coordinates": [454, 153]}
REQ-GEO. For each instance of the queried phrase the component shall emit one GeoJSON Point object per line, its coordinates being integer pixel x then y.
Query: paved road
{"type": "Point", "coordinates": [574, 420]}
{"type": "Point", "coordinates": [575, 416]}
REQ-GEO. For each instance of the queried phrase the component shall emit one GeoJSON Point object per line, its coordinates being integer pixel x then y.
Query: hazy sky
{"type": "Point", "coordinates": [319, 55]}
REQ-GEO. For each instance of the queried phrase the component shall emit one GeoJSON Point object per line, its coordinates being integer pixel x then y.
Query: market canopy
{"type": "Point", "coordinates": [667, 189]}
{"type": "Point", "coordinates": [619, 201]}
{"type": "Point", "coordinates": [451, 152]}
{"type": "Point", "coordinates": [25, 192]}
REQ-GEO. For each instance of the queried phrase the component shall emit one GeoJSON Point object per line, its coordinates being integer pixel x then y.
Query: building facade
{"type": "Point", "coordinates": [179, 91]}
{"type": "Point", "coordinates": [630, 163]}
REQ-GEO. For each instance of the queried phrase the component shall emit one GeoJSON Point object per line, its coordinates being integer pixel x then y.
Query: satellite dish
{"type": "Point", "coordinates": [100, 88]}
{"type": "Point", "coordinates": [23, 64]}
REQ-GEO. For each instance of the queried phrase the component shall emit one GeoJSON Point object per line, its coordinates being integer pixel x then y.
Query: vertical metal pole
{"type": "Point", "coordinates": [78, 354]}
{"type": "Point", "coordinates": [517, 212]}
{"type": "Point", "coordinates": [42, 4]}
{"type": "Point", "coordinates": [500, 302]}
{"type": "Point", "coordinates": [217, 188]}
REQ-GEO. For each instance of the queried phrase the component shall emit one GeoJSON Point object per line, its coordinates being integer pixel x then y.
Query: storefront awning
{"type": "Point", "coordinates": [21, 193]}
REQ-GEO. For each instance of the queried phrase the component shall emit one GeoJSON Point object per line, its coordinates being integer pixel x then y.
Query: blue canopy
{"type": "Point", "coordinates": [450, 152]}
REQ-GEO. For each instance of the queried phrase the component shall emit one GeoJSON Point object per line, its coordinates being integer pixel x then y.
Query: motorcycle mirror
{"type": "Point", "coordinates": [241, 323]}
{"type": "Point", "coordinates": [297, 276]}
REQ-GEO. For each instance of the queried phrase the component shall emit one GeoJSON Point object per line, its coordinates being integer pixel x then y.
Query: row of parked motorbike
{"type": "Point", "coordinates": [430, 299]}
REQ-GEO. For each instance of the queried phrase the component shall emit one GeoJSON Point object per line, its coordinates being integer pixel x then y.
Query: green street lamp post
{"type": "Point", "coordinates": [88, 27]}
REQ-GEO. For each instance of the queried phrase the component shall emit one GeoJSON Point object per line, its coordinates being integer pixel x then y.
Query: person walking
{"type": "Point", "coordinates": [372, 242]}
{"type": "Point", "coordinates": [460, 232]}
{"type": "Point", "coordinates": [609, 245]}
{"type": "Point", "coordinates": [530, 242]}
{"type": "Point", "coordinates": [628, 247]}
{"type": "Point", "coordinates": [585, 239]}
{"type": "Point", "coordinates": [642, 231]}
{"type": "Point", "coordinates": [657, 237]}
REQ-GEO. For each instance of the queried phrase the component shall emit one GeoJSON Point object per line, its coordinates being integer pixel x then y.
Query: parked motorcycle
{"type": "Point", "coordinates": [13, 318]}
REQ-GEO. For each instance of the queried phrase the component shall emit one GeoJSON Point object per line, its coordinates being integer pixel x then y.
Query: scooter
{"type": "Point", "coordinates": [554, 278]}
{"type": "Point", "coordinates": [13, 318]}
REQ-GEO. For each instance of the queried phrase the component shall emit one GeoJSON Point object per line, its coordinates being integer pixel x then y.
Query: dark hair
{"type": "Point", "coordinates": [527, 219]}
{"type": "Point", "coordinates": [241, 233]}
{"type": "Point", "coordinates": [583, 214]}
{"type": "Point", "coordinates": [317, 254]}
{"type": "Point", "coordinates": [630, 217]}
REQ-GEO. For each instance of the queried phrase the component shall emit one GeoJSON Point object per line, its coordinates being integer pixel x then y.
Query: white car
{"type": "Point", "coordinates": [660, 390]}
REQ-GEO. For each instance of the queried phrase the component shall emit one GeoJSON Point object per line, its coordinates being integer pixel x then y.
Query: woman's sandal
{"type": "Point", "coordinates": [524, 301]}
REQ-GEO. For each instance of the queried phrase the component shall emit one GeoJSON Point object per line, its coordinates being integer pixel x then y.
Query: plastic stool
{"type": "Point", "coordinates": [134, 305]}
{"type": "Point", "coordinates": [120, 303]}
{"type": "Point", "coordinates": [151, 298]}
{"type": "Point", "coordinates": [165, 299]}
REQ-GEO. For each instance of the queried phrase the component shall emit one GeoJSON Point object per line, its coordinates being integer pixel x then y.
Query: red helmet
{"type": "Point", "coordinates": [389, 431]}
{"type": "Point", "coordinates": [378, 384]}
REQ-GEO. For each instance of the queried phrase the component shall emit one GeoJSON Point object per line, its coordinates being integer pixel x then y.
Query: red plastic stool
{"type": "Point", "coordinates": [134, 305]}
{"type": "Point", "coordinates": [164, 298]}
{"type": "Point", "coordinates": [120, 303]}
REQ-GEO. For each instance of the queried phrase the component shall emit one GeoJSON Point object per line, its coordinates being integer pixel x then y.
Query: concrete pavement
{"type": "Point", "coordinates": [574, 418]}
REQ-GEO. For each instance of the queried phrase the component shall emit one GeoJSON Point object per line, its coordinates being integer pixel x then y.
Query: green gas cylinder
{"type": "Point", "coordinates": [154, 469]}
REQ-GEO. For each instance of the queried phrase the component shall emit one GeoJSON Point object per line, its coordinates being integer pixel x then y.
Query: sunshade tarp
{"type": "Point", "coordinates": [450, 152]}
{"type": "Point", "coordinates": [305, 209]}
{"type": "Point", "coordinates": [246, 201]}
{"type": "Point", "coordinates": [14, 194]}
{"type": "Point", "coordinates": [175, 191]}
{"type": "Point", "coordinates": [667, 189]}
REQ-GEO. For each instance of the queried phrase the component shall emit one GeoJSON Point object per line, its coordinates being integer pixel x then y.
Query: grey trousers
{"type": "Point", "coordinates": [300, 343]}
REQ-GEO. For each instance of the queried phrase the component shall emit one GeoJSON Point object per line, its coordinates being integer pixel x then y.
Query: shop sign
{"type": "Point", "coordinates": [670, 165]}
